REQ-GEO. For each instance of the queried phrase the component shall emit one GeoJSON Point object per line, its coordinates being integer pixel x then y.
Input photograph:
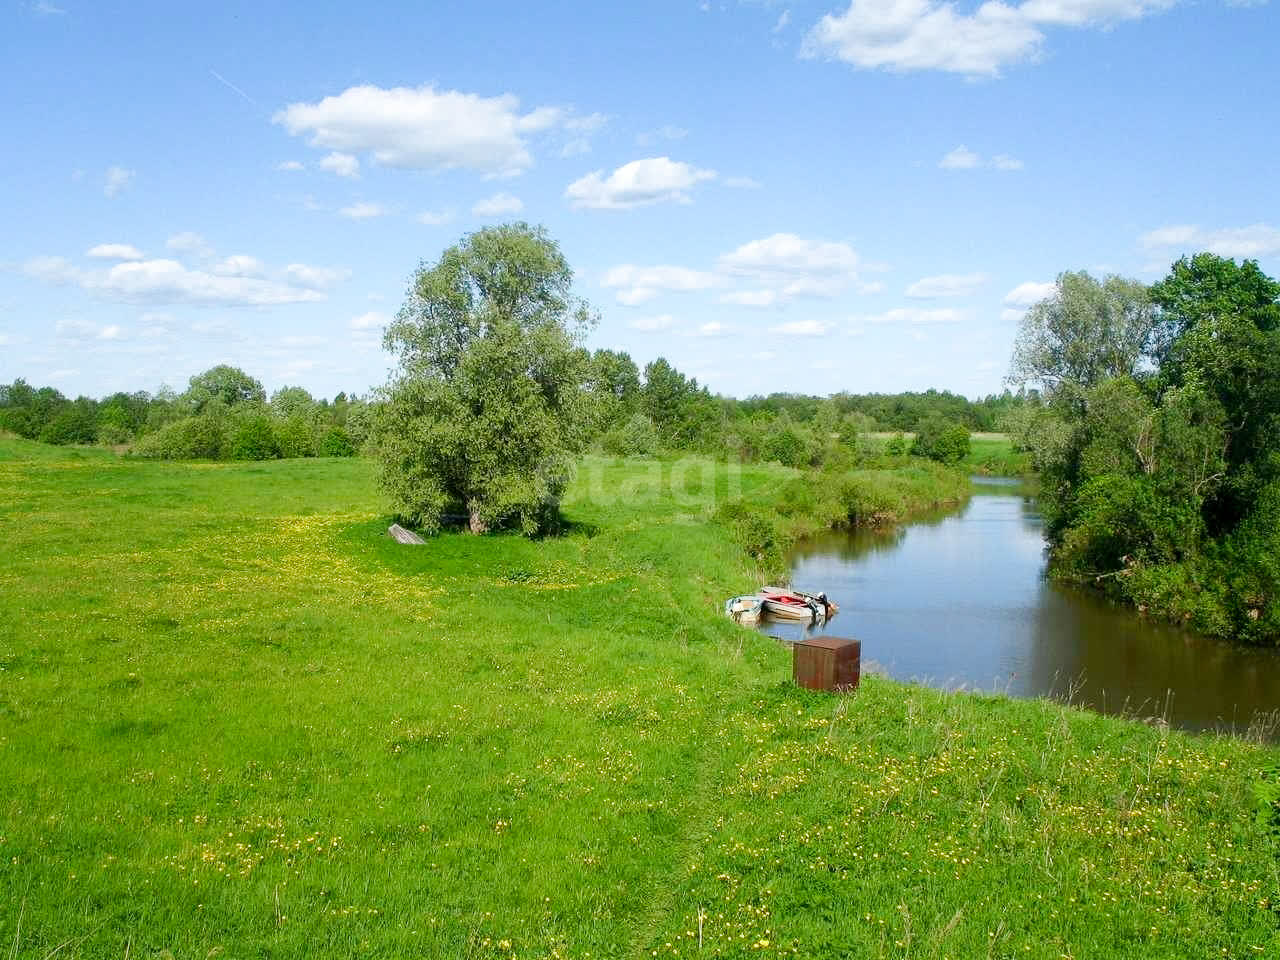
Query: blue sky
{"type": "Point", "coordinates": [809, 196]}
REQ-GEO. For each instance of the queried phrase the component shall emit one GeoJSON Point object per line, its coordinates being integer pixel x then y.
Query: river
{"type": "Point", "coordinates": [959, 600]}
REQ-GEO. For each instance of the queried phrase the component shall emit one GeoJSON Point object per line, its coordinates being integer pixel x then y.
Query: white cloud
{"type": "Point", "coordinates": [666, 132]}
{"type": "Point", "coordinates": [742, 183]}
{"type": "Point", "coordinates": [793, 266]}
{"type": "Point", "coordinates": [637, 285]}
{"type": "Point", "coordinates": [111, 332]}
{"type": "Point", "coordinates": [915, 316]}
{"type": "Point", "coordinates": [1079, 13]}
{"type": "Point", "coordinates": [189, 242]}
{"type": "Point", "coordinates": [47, 9]}
{"type": "Point", "coordinates": [239, 265]}
{"type": "Point", "coordinates": [343, 164]}
{"type": "Point", "coordinates": [117, 179]}
{"type": "Point", "coordinates": [363, 211]}
{"type": "Point", "coordinates": [750, 298]}
{"type": "Point", "coordinates": [1012, 314]}
{"type": "Point", "coordinates": [370, 321]}
{"type": "Point", "coordinates": [783, 20]}
{"type": "Point", "coordinates": [1257, 240]}
{"type": "Point", "coordinates": [653, 324]}
{"type": "Point", "coordinates": [802, 328]}
{"type": "Point", "coordinates": [576, 147]}
{"type": "Point", "coordinates": [498, 205]}
{"type": "Point", "coordinates": [435, 218]}
{"type": "Point", "coordinates": [712, 328]}
{"type": "Point", "coordinates": [115, 251]}
{"type": "Point", "coordinates": [638, 183]}
{"type": "Point", "coordinates": [962, 158]}
{"type": "Point", "coordinates": [289, 166]}
{"type": "Point", "coordinates": [1028, 294]}
{"type": "Point", "coordinates": [315, 278]}
{"type": "Point", "coordinates": [907, 35]}
{"type": "Point", "coordinates": [588, 123]}
{"type": "Point", "coordinates": [421, 128]}
{"type": "Point", "coordinates": [946, 285]}
{"type": "Point", "coordinates": [168, 281]}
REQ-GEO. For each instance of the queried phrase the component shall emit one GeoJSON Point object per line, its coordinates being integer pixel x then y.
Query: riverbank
{"type": "Point", "coordinates": [235, 717]}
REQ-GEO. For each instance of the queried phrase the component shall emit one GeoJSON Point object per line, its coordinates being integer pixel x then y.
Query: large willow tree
{"type": "Point", "coordinates": [486, 410]}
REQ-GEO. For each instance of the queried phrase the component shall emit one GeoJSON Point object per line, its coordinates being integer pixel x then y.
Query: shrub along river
{"type": "Point", "coordinates": [959, 600]}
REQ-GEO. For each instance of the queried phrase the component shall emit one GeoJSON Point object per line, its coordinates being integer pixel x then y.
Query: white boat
{"type": "Point", "coordinates": [792, 604]}
{"type": "Point", "coordinates": [743, 609]}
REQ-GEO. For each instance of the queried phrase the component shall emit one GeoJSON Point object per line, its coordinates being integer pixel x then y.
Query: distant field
{"type": "Point", "coordinates": [990, 453]}
{"type": "Point", "coordinates": [237, 720]}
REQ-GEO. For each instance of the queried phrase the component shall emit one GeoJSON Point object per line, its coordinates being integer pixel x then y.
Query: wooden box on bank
{"type": "Point", "coordinates": [827, 663]}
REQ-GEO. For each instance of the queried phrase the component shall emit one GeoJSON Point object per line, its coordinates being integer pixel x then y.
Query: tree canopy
{"type": "Point", "coordinates": [488, 406]}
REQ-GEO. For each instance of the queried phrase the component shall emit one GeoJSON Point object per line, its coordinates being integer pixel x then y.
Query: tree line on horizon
{"type": "Point", "coordinates": [226, 414]}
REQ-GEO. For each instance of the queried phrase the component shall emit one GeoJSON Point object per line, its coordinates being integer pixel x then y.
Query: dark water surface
{"type": "Point", "coordinates": [959, 600]}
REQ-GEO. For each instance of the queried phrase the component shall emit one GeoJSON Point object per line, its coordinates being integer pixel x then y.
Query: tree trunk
{"type": "Point", "coordinates": [478, 525]}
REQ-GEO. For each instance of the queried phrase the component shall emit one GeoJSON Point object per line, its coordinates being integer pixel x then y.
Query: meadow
{"type": "Point", "coordinates": [238, 720]}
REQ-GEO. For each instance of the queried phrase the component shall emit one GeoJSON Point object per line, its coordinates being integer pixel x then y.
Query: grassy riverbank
{"type": "Point", "coordinates": [235, 719]}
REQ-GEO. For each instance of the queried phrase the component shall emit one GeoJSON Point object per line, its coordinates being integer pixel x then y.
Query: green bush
{"type": "Point", "coordinates": [336, 443]}
{"type": "Point", "coordinates": [73, 424]}
{"type": "Point", "coordinates": [786, 446]}
{"type": "Point", "coordinates": [940, 439]}
{"type": "Point", "coordinates": [637, 437]}
{"type": "Point", "coordinates": [191, 438]}
{"type": "Point", "coordinates": [296, 437]}
{"type": "Point", "coordinates": [255, 439]}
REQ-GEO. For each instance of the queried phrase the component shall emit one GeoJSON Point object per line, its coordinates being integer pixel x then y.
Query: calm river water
{"type": "Point", "coordinates": [959, 600]}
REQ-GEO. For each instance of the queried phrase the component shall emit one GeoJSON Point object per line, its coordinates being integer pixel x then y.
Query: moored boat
{"type": "Point", "coordinates": [789, 606]}
{"type": "Point", "coordinates": [744, 609]}
{"type": "Point", "coordinates": [827, 606]}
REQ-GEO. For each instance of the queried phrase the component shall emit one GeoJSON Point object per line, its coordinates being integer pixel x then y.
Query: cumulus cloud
{"type": "Point", "coordinates": [343, 164]}
{"type": "Point", "coordinates": [236, 281]}
{"type": "Point", "coordinates": [962, 158]}
{"type": "Point", "coordinates": [363, 211]}
{"type": "Point", "coordinates": [435, 218]}
{"type": "Point", "coordinates": [422, 128]}
{"type": "Point", "coordinates": [663, 321]}
{"type": "Point", "coordinates": [909, 35]}
{"type": "Point", "coordinates": [189, 241]}
{"type": "Point", "coordinates": [289, 166]}
{"type": "Point", "coordinates": [115, 251]}
{"type": "Point", "coordinates": [239, 265]}
{"type": "Point", "coordinates": [116, 180]}
{"type": "Point", "coordinates": [1256, 240]}
{"type": "Point", "coordinates": [638, 183]}
{"type": "Point", "coordinates": [946, 285]}
{"type": "Point", "coordinates": [794, 266]}
{"type": "Point", "coordinates": [498, 205]}
{"type": "Point", "coordinates": [1028, 294]}
{"type": "Point", "coordinates": [637, 285]}
{"type": "Point", "coordinates": [712, 328]}
{"type": "Point", "coordinates": [315, 278]}
{"type": "Point", "coordinates": [666, 132]}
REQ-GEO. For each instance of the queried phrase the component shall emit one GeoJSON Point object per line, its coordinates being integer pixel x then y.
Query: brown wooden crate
{"type": "Point", "coordinates": [827, 663]}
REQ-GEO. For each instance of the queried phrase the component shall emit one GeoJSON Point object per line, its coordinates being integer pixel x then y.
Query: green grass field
{"type": "Point", "coordinates": [237, 720]}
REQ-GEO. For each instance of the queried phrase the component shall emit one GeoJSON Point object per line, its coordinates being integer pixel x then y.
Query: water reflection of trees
{"type": "Point", "coordinates": [1112, 660]}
